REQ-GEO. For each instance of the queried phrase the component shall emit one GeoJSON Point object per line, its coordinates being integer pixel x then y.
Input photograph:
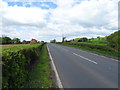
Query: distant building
{"type": "Point", "coordinates": [33, 41]}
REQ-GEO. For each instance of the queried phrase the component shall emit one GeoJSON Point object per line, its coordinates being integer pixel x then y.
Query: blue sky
{"type": "Point", "coordinates": [49, 5]}
{"type": "Point", "coordinates": [52, 19]}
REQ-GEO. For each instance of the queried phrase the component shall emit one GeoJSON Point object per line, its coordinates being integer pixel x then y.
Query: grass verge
{"type": "Point", "coordinates": [113, 54]}
{"type": "Point", "coordinates": [41, 74]}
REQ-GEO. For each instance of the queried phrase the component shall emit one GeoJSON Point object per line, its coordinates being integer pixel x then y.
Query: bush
{"type": "Point", "coordinates": [16, 63]}
{"type": "Point", "coordinates": [114, 40]}
{"type": "Point", "coordinates": [92, 46]}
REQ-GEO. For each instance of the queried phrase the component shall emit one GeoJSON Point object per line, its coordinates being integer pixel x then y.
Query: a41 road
{"type": "Point", "coordinates": [82, 69]}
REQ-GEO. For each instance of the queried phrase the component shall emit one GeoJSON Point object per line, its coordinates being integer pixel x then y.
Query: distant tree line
{"type": "Point", "coordinates": [85, 39]}
{"type": "Point", "coordinates": [53, 41]}
{"type": "Point", "coordinates": [8, 40]}
{"type": "Point", "coordinates": [113, 40]}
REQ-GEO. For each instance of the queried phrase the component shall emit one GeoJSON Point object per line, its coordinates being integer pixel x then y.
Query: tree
{"type": "Point", "coordinates": [92, 38]}
{"type": "Point", "coordinates": [53, 41]}
{"type": "Point", "coordinates": [114, 40]}
{"type": "Point", "coordinates": [98, 38]}
{"type": "Point", "coordinates": [27, 42]}
{"type": "Point", "coordinates": [0, 40]}
{"type": "Point", "coordinates": [24, 41]}
{"type": "Point", "coordinates": [63, 39]}
{"type": "Point", "coordinates": [89, 40]}
{"type": "Point", "coordinates": [6, 40]}
{"type": "Point", "coordinates": [84, 39]}
{"type": "Point", "coordinates": [16, 41]}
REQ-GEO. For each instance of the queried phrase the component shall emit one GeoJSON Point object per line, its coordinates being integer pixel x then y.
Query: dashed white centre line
{"type": "Point", "coordinates": [85, 58]}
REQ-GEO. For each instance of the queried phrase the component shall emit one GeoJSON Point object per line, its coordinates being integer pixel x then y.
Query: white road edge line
{"type": "Point", "coordinates": [85, 58]}
{"type": "Point", "coordinates": [56, 73]}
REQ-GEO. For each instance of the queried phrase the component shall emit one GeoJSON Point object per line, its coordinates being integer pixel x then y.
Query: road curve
{"type": "Point", "coordinates": [82, 69]}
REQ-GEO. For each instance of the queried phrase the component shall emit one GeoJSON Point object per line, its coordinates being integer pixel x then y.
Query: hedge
{"type": "Point", "coordinates": [16, 63]}
{"type": "Point", "coordinates": [90, 45]}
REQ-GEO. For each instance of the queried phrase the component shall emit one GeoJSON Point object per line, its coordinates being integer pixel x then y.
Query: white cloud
{"type": "Point", "coordinates": [24, 16]}
{"type": "Point", "coordinates": [89, 18]}
{"type": "Point", "coordinates": [87, 13]}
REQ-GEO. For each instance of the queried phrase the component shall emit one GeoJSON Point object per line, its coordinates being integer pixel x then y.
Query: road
{"type": "Point", "coordinates": [81, 69]}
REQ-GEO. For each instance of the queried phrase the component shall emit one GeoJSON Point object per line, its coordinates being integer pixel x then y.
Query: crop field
{"type": "Point", "coordinates": [100, 42]}
{"type": "Point", "coordinates": [13, 45]}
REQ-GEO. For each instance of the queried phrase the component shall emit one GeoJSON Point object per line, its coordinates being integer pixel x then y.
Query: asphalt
{"type": "Point", "coordinates": [82, 69]}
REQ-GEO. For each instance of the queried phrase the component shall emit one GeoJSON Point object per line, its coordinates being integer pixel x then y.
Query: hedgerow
{"type": "Point", "coordinates": [16, 63]}
{"type": "Point", "coordinates": [92, 46]}
{"type": "Point", "coordinates": [97, 48]}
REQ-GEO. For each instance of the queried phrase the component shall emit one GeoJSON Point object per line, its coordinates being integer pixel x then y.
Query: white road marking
{"type": "Point", "coordinates": [92, 53]}
{"type": "Point", "coordinates": [105, 57]}
{"type": "Point", "coordinates": [56, 73]}
{"type": "Point", "coordinates": [99, 55]}
{"type": "Point", "coordinates": [85, 58]}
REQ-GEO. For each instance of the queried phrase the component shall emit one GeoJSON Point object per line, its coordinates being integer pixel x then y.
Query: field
{"type": "Point", "coordinates": [100, 42]}
{"type": "Point", "coordinates": [13, 45]}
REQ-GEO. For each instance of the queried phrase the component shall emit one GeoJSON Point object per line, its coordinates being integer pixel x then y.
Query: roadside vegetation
{"type": "Point", "coordinates": [16, 63]}
{"type": "Point", "coordinates": [41, 75]}
{"type": "Point", "coordinates": [26, 67]}
{"type": "Point", "coordinates": [109, 45]}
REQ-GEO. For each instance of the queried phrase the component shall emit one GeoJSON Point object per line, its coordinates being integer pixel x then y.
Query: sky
{"type": "Point", "coordinates": [46, 20]}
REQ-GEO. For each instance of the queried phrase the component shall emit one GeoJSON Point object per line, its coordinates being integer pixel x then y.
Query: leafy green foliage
{"type": "Point", "coordinates": [16, 63]}
{"type": "Point", "coordinates": [84, 39]}
{"type": "Point", "coordinates": [53, 41]}
{"type": "Point", "coordinates": [16, 41]}
{"type": "Point", "coordinates": [92, 46]}
{"type": "Point", "coordinates": [114, 40]}
{"type": "Point", "coordinates": [99, 42]}
{"type": "Point", "coordinates": [6, 40]}
{"type": "Point", "coordinates": [24, 41]}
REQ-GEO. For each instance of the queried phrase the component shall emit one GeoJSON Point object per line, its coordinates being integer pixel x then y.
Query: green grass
{"type": "Point", "coordinates": [104, 42]}
{"type": "Point", "coordinates": [113, 54]}
{"type": "Point", "coordinates": [93, 43]}
{"type": "Point", "coordinates": [96, 41]}
{"type": "Point", "coordinates": [40, 75]}
{"type": "Point", "coordinates": [13, 45]}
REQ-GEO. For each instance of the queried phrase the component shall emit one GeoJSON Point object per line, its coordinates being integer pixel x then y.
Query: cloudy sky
{"type": "Point", "coordinates": [52, 19]}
